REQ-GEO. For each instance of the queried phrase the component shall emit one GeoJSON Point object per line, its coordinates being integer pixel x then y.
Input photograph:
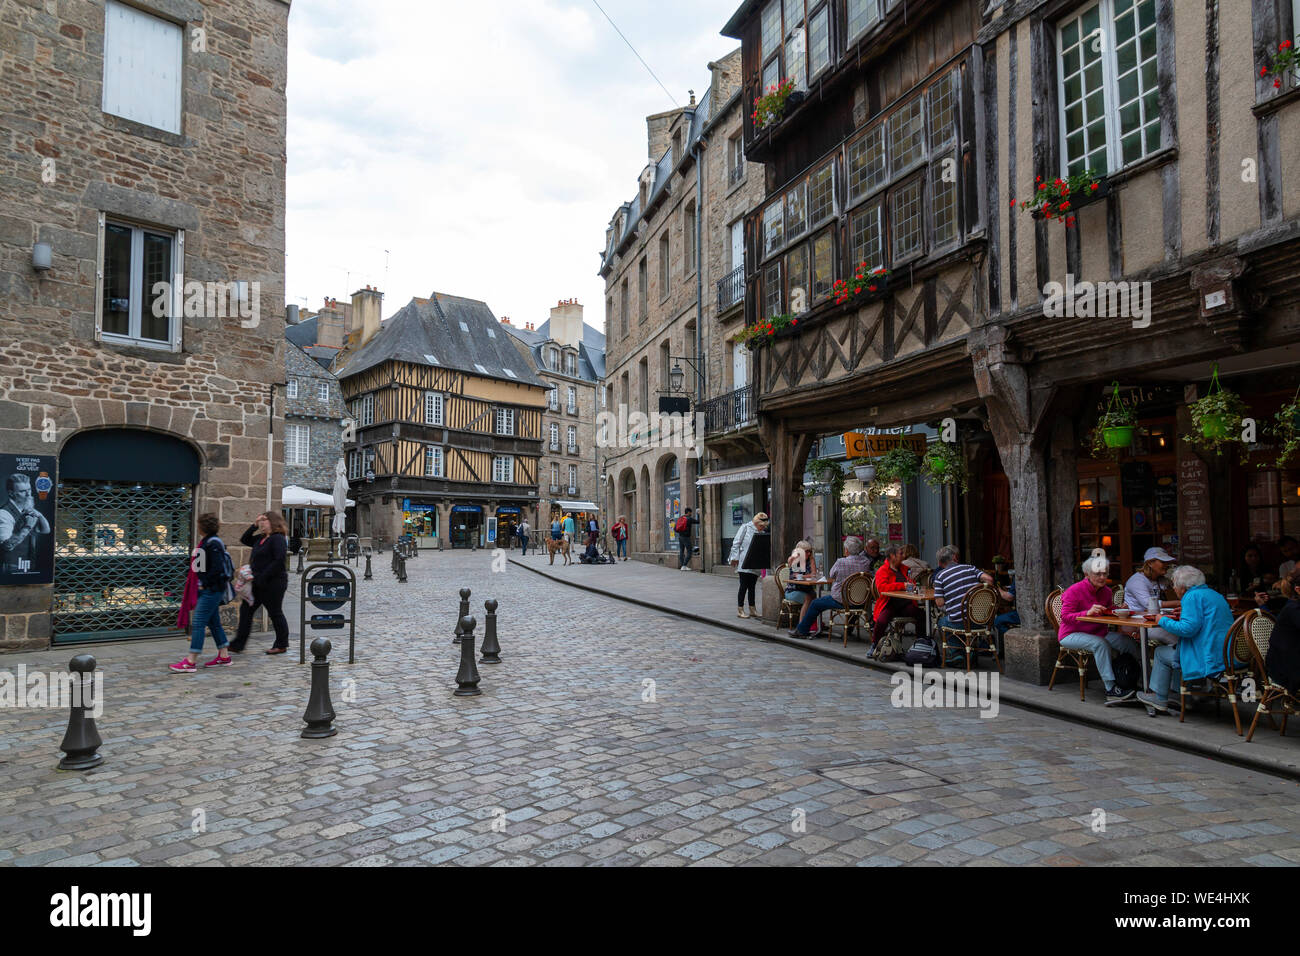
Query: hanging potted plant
{"type": "Point", "coordinates": [770, 107]}
{"type": "Point", "coordinates": [1115, 428]}
{"type": "Point", "coordinates": [757, 335]}
{"type": "Point", "coordinates": [827, 472]}
{"type": "Point", "coordinates": [864, 469]}
{"type": "Point", "coordinates": [898, 464]}
{"type": "Point", "coordinates": [1216, 418]}
{"type": "Point", "coordinates": [868, 282]}
{"type": "Point", "coordinates": [945, 465]}
{"type": "Point", "coordinates": [1060, 198]}
{"type": "Point", "coordinates": [1286, 428]}
{"type": "Point", "coordinates": [1282, 63]}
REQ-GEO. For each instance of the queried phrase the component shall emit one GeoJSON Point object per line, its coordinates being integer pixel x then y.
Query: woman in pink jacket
{"type": "Point", "coordinates": [1089, 598]}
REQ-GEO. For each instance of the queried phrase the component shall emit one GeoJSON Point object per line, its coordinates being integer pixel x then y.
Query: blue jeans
{"type": "Point", "coordinates": [523, 540]}
{"type": "Point", "coordinates": [1162, 670]}
{"type": "Point", "coordinates": [207, 612]}
{"type": "Point", "coordinates": [683, 550]}
{"type": "Point", "coordinates": [1100, 649]}
{"type": "Point", "coordinates": [622, 548]}
{"type": "Point", "coordinates": [1004, 622]}
{"type": "Point", "coordinates": [823, 603]}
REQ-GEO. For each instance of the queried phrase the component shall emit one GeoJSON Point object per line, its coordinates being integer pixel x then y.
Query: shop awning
{"type": "Point", "coordinates": [750, 473]}
{"type": "Point", "coordinates": [296, 497]}
{"type": "Point", "coordinates": [576, 506]}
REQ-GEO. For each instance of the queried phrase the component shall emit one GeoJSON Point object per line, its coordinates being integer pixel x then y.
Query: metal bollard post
{"type": "Point", "coordinates": [320, 712]}
{"type": "Point", "coordinates": [81, 742]}
{"type": "Point", "coordinates": [401, 571]}
{"type": "Point", "coordinates": [300, 567]}
{"type": "Point", "coordinates": [491, 649]}
{"type": "Point", "coordinates": [368, 576]}
{"type": "Point", "coordinates": [467, 677]}
{"type": "Point", "coordinates": [464, 610]}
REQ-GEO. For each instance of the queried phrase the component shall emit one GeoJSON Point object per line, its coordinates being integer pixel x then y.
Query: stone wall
{"type": "Point", "coordinates": [63, 164]}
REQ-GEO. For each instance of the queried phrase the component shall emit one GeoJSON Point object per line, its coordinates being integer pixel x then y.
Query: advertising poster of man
{"type": "Point", "coordinates": [27, 519]}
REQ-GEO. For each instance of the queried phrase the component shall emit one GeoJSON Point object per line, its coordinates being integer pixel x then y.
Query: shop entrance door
{"type": "Point", "coordinates": [465, 528]}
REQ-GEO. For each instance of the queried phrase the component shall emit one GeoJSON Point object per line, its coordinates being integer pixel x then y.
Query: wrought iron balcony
{"type": "Point", "coordinates": [731, 289]}
{"type": "Point", "coordinates": [731, 411]}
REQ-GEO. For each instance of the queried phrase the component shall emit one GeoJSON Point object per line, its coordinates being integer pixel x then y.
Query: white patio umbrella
{"type": "Point", "coordinates": [340, 498]}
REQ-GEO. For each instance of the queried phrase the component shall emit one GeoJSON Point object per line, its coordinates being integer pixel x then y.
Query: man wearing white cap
{"type": "Point", "coordinates": [1143, 588]}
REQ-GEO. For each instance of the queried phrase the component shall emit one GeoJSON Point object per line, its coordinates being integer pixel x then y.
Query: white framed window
{"type": "Point", "coordinates": [555, 476]}
{"type": "Point", "coordinates": [573, 400]}
{"type": "Point", "coordinates": [366, 410]}
{"type": "Point", "coordinates": [1109, 86]}
{"type": "Point", "coordinates": [906, 215]}
{"type": "Point", "coordinates": [432, 461]}
{"type": "Point", "coordinates": [573, 438]}
{"type": "Point", "coordinates": [819, 41]}
{"type": "Point", "coordinates": [553, 359]}
{"type": "Point", "coordinates": [354, 465]}
{"type": "Point", "coordinates": [866, 239]}
{"type": "Point", "coordinates": [143, 55]}
{"type": "Point", "coordinates": [291, 388]}
{"type": "Point", "coordinates": [573, 478]}
{"type": "Point", "coordinates": [141, 284]}
{"type": "Point", "coordinates": [503, 469]}
{"type": "Point", "coordinates": [367, 461]}
{"type": "Point", "coordinates": [553, 397]}
{"type": "Point", "coordinates": [555, 437]}
{"type": "Point", "coordinates": [505, 421]}
{"type": "Point", "coordinates": [323, 391]}
{"type": "Point", "coordinates": [297, 444]}
{"type": "Point", "coordinates": [433, 408]}
{"type": "Point", "coordinates": [862, 15]}
{"type": "Point", "coordinates": [570, 364]}
{"type": "Point", "coordinates": [604, 432]}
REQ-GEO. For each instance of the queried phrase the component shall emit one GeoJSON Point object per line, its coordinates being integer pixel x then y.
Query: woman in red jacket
{"type": "Point", "coordinates": [891, 576]}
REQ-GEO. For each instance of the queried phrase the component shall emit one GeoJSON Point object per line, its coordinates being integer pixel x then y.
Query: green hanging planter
{"type": "Point", "coordinates": [1118, 436]}
{"type": "Point", "coordinates": [938, 465]}
{"type": "Point", "coordinates": [1215, 426]}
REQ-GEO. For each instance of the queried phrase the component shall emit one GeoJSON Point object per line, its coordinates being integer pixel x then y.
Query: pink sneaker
{"type": "Point", "coordinates": [219, 662]}
{"type": "Point", "coordinates": [183, 666]}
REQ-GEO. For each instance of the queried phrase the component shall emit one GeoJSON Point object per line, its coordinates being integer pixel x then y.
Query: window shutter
{"type": "Point", "coordinates": [142, 67]}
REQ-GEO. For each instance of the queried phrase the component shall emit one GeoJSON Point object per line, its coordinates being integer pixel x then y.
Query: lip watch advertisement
{"type": "Point", "coordinates": [27, 520]}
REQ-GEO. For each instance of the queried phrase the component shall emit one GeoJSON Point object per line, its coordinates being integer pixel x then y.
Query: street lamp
{"type": "Point", "coordinates": [677, 376]}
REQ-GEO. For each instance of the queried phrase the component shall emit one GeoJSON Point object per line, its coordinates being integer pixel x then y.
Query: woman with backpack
{"type": "Point", "coordinates": [214, 570]}
{"type": "Point", "coordinates": [620, 535]}
{"type": "Point", "coordinates": [266, 536]}
{"type": "Point", "coordinates": [748, 578]}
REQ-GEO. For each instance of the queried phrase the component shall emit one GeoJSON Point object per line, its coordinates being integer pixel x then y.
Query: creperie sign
{"type": "Point", "coordinates": [858, 445]}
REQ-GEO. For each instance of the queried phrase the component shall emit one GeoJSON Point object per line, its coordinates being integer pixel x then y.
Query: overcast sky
{"type": "Point", "coordinates": [484, 145]}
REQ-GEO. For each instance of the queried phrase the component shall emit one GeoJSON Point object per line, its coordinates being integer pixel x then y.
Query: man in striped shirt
{"type": "Point", "coordinates": [952, 582]}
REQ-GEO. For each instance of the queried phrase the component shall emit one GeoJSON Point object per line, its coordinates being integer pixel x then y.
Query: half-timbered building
{"type": "Point", "coordinates": [917, 132]}
{"type": "Point", "coordinates": [448, 423]}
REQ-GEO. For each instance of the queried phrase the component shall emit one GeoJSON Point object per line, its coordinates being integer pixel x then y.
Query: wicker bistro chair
{"type": "Point", "coordinates": [981, 605]}
{"type": "Point", "coordinates": [1065, 657]}
{"type": "Point", "coordinates": [788, 616]}
{"type": "Point", "coordinates": [1225, 688]}
{"type": "Point", "coordinates": [858, 593]}
{"type": "Point", "coordinates": [1252, 645]}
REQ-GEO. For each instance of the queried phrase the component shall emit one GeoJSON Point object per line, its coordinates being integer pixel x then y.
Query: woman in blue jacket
{"type": "Point", "coordinates": [1203, 623]}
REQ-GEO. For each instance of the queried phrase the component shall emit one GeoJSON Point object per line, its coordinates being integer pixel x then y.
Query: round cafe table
{"type": "Point", "coordinates": [1142, 622]}
{"type": "Point", "coordinates": [922, 596]}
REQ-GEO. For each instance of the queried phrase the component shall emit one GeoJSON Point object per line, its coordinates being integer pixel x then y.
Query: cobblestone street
{"type": "Point", "coordinates": [749, 752]}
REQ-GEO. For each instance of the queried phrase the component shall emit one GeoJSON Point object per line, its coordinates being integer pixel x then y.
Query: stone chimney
{"type": "Point", "coordinates": [659, 130]}
{"type": "Point", "coordinates": [566, 322]}
{"type": "Point", "coordinates": [331, 326]}
{"type": "Point", "coordinates": [367, 308]}
{"type": "Point", "coordinates": [505, 320]}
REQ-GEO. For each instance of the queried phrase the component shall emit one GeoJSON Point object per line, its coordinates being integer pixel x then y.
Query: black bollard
{"type": "Point", "coordinates": [81, 742]}
{"type": "Point", "coordinates": [320, 712]}
{"type": "Point", "coordinates": [401, 571]}
{"type": "Point", "coordinates": [464, 610]}
{"type": "Point", "coordinates": [467, 677]}
{"type": "Point", "coordinates": [300, 568]}
{"type": "Point", "coordinates": [368, 574]}
{"type": "Point", "coordinates": [491, 649]}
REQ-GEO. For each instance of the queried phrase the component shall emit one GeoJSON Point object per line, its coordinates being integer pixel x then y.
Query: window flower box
{"type": "Point", "coordinates": [770, 107]}
{"type": "Point", "coordinates": [1060, 199]}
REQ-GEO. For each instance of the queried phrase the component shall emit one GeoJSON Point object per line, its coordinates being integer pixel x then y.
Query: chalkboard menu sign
{"type": "Point", "coordinates": [1167, 498]}
{"type": "Point", "coordinates": [1137, 482]}
{"type": "Point", "coordinates": [1195, 540]}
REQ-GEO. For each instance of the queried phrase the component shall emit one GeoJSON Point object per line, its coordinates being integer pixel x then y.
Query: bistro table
{"type": "Point", "coordinates": [1141, 621]}
{"type": "Point", "coordinates": [820, 583]}
{"type": "Point", "coordinates": [923, 596]}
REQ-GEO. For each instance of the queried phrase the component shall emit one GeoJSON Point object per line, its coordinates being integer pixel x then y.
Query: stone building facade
{"type": "Point", "coordinates": [666, 252]}
{"type": "Point", "coordinates": [569, 356]}
{"type": "Point", "coordinates": [313, 422]}
{"type": "Point", "coordinates": [149, 412]}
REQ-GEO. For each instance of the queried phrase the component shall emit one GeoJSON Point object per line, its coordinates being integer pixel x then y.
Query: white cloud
{"type": "Point", "coordinates": [485, 145]}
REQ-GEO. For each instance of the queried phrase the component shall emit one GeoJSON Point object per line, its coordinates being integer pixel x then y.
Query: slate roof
{"type": "Point", "coordinates": [445, 331]}
{"type": "Point", "coordinates": [591, 350]}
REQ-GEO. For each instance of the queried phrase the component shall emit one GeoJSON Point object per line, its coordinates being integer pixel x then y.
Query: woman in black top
{"type": "Point", "coordinates": [270, 579]}
{"type": "Point", "coordinates": [1282, 662]}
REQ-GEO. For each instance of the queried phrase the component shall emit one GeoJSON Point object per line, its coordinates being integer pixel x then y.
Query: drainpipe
{"type": "Point", "coordinates": [270, 440]}
{"type": "Point", "coordinates": [698, 150]}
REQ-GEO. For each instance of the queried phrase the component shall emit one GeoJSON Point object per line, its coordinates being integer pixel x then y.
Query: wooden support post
{"type": "Point", "coordinates": [788, 453]}
{"type": "Point", "coordinates": [1063, 479]}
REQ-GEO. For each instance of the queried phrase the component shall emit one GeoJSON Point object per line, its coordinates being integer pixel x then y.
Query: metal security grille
{"type": "Point", "coordinates": [121, 550]}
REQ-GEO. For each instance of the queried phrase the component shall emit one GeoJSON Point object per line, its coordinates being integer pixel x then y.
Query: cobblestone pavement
{"type": "Point", "coordinates": [749, 752]}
